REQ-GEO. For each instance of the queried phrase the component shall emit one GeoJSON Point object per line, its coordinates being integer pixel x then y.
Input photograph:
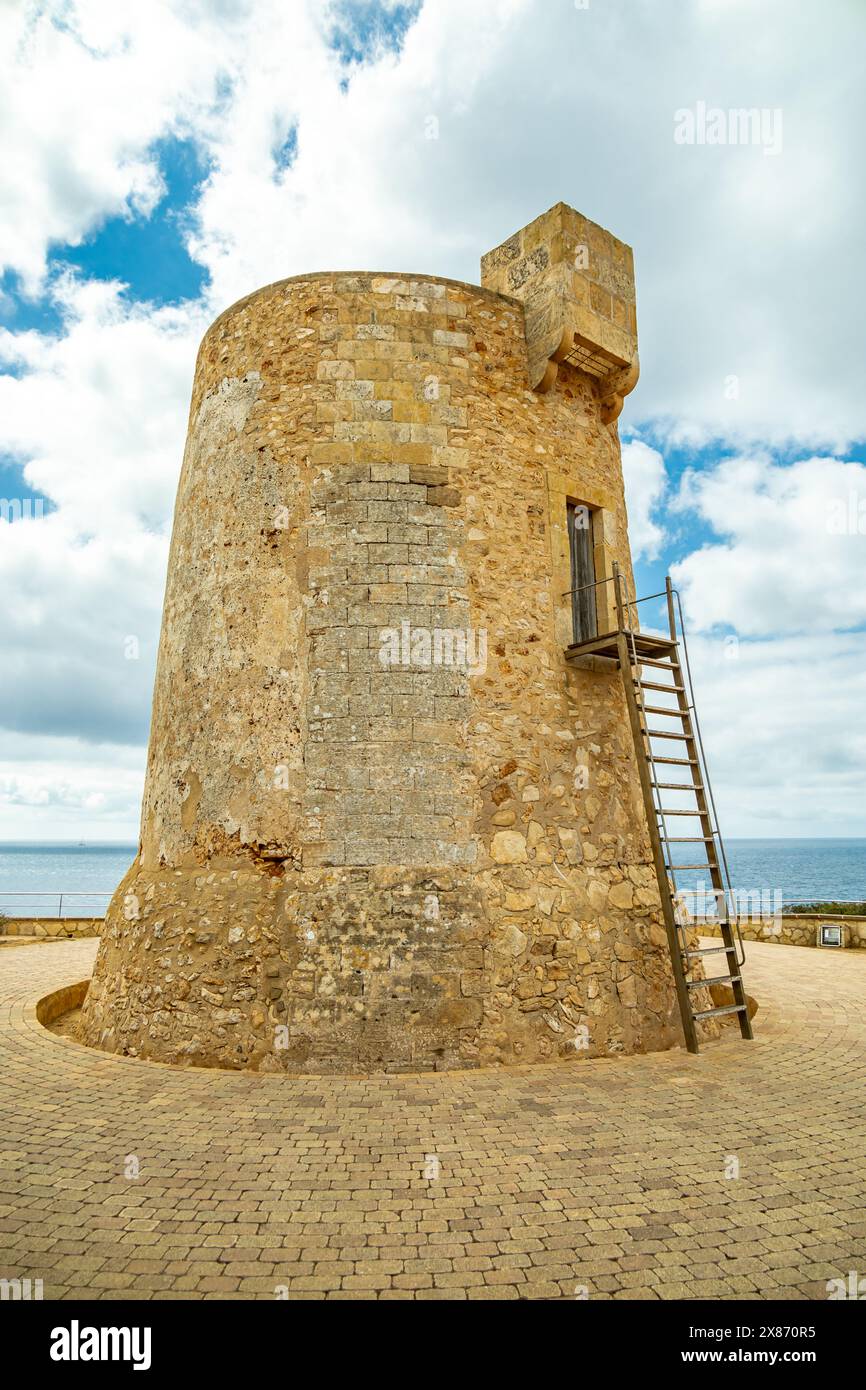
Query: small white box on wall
{"type": "Point", "coordinates": [832, 934]}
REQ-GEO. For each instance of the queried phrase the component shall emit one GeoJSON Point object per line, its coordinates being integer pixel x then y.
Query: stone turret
{"type": "Point", "coordinates": [576, 282]}
{"type": "Point", "coordinates": [386, 825]}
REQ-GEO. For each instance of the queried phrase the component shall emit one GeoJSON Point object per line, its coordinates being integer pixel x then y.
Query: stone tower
{"type": "Point", "coordinates": [386, 824]}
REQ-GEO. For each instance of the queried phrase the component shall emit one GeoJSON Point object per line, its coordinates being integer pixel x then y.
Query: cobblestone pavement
{"type": "Point", "coordinates": [604, 1176]}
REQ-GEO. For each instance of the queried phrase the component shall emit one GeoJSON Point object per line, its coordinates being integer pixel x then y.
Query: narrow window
{"type": "Point", "coordinates": [583, 611]}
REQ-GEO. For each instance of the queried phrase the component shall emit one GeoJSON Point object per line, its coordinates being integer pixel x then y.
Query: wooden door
{"type": "Point", "coordinates": [583, 605]}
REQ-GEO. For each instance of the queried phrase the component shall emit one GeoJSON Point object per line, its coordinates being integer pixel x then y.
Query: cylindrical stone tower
{"type": "Point", "coordinates": [386, 824]}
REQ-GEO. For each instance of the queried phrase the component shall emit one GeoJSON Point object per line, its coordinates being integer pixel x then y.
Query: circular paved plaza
{"type": "Point", "coordinates": [739, 1173]}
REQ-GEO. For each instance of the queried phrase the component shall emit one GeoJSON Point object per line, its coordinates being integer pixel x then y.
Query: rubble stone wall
{"type": "Point", "coordinates": [796, 929]}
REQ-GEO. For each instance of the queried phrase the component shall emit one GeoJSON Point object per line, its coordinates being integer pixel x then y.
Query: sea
{"type": "Point", "coordinates": [60, 879]}
{"type": "Point", "coordinates": [77, 880]}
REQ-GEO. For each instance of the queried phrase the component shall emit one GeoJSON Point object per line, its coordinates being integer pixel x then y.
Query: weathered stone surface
{"type": "Point", "coordinates": [508, 847]}
{"type": "Point", "coordinates": [621, 895]}
{"type": "Point", "coordinates": [368, 752]}
{"type": "Point", "coordinates": [512, 941]}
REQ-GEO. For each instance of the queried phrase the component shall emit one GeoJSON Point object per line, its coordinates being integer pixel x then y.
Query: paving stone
{"type": "Point", "coordinates": [606, 1175]}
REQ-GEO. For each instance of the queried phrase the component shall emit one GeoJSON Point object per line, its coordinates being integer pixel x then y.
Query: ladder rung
{"type": "Point", "coordinates": [678, 762]}
{"type": "Point", "coordinates": [677, 868]}
{"type": "Point", "coordinates": [663, 733]}
{"type": "Point", "coordinates": [713, 980]}
{"type": "Point", "coordinates": [714, 1013]}
{"type": "Point", "coordinates": [710, 950]}
{"type": "Point", "coordinates": [669, 810]}
{"type": "Point", "coordinates": [673, 713]}
{"type": "Point", "coordinates": [677, 786]}
{"type": "Point", "coordinates": [689, 839]}
{"type": "Point", "coordinates": [650, 661]}
{"type": "Point", "coordinates": [654, 685]}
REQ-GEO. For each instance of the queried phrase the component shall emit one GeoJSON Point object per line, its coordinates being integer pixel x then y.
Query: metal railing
{"type": "Point", "coordinates": [619, 580]}
{"type": "Point", "coordinates": [52, 899]}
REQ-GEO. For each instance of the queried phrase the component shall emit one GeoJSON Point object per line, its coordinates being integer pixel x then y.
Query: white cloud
{"type": "Point", "coordinates": [784, 733]}
{"type": "Point", "coordinates": [781, 696]}
{"type": "Point", "coordinates": [70, 608]}
{"type": "Point", "coordinates": [747, 267]}
{"type": "Point", "coordinates": [645, 483]}
{"type": "Point", "coordinates": [64, 787]}
{"type": "Point", "coordinates": [788, 559]}
{"type": "Point", "coordinates": [387, 171]}
{"type": "Point", "coordinates": [99, 412]}
{"type": "Point", "coordinates": [745, 263]}
{"type": "Point", "coordinates": [89, 85]}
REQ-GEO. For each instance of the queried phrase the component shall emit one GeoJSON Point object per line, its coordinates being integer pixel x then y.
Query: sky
{"type": "Point", "coordinates": [162, 160]}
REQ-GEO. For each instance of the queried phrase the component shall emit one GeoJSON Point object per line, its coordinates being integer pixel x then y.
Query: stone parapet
{"type": "Point", "coordinates": [796, 929]}
{"type": "Point", "coordinates": [61, 927]}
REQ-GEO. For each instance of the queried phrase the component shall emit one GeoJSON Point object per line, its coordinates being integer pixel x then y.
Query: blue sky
{"type": "Point", "coordinates": [164, 165]}
{"type": "Point", "coordinates": [148, 254]}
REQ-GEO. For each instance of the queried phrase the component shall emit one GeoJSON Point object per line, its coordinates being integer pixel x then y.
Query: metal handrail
{"type": "Point", "coordinates": [596, 583]}
{"type": "Point", "coordinates": [593, 584]}
{"type": "Point", "coordinates": [726, 892]}
{"type": "Point", "coordinates": [49, 895]}
{"type": "Point", "coordinates": [641, 702]}
{"type": "Point", "coordinates": [727, 888]}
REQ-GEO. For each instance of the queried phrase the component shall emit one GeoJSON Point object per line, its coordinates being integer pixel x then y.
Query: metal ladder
{"type": "Point", "coordinates": [637, 651]}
